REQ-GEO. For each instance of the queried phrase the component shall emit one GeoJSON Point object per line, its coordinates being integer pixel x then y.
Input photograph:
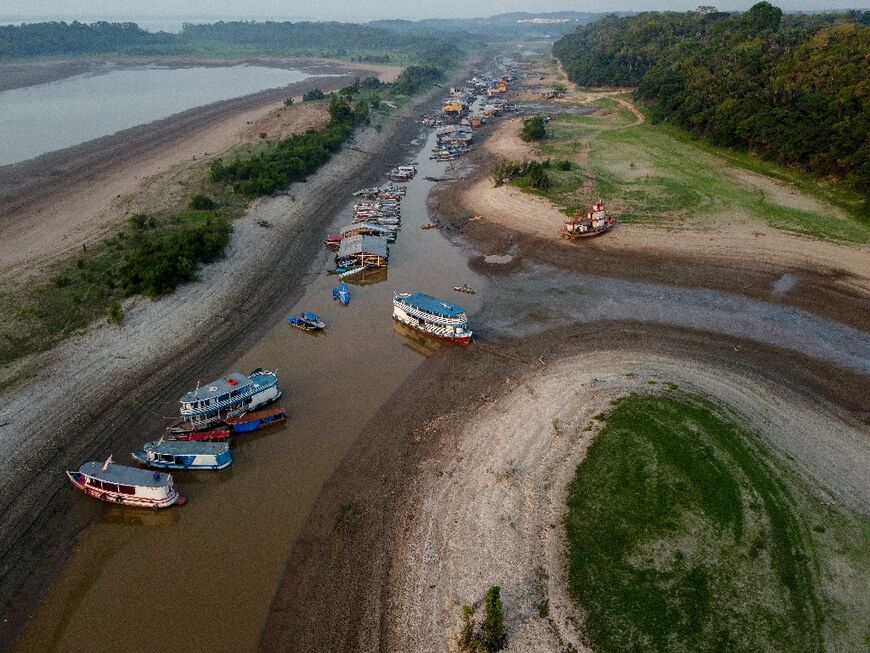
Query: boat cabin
{"type": "Point", "coordinates": [367, 251]}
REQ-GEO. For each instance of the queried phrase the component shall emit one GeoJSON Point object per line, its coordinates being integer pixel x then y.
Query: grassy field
{"type": "Point", "coordinates": [685, 533]}
{"type": "Point", "coordinates": [658, 174]}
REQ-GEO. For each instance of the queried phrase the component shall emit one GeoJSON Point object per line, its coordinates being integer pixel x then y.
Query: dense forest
{"type": "Point", "coordinates": [276, 38]}
{"type": "Point", "coordinates": [46, 39]}
{"type": "Point", "coordinates": [790, 88]}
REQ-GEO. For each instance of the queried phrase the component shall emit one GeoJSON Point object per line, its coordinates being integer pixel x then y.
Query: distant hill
{"type": "Point", "coordinates": [516, 25]}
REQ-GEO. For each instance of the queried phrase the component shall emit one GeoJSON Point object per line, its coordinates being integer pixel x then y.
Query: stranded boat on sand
{"type": "Point", "coordinates": [212, 404]}
{"type": "Point", "coordinates": [129, 486]}
{"type": "Point", "coordinates": [176, 454]}
{"type": "Point", "coordinates": [432, 316]}
{"type": "Point", "coordinates": [595, 223]}
{"type": "Point", "coordinates": [307, 322]}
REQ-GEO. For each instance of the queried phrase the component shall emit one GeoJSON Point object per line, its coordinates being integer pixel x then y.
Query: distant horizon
{"type": "Point", "coordinates": [172, 22]}
{"type": "Point", "coordinates": [404, 11]}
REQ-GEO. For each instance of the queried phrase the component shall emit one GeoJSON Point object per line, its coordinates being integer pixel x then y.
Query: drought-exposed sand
{"type": "Point", "coordinates": [160, 345]}
{"type": "Point", "coordinates": [758, 244]}
{"type": "Point", "coordinates": [488, 509]}
{"type": "Point", "coordinates": [58, 202]}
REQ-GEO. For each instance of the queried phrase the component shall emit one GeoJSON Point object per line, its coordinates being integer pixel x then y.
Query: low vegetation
{"type": "Point", "coordinates": [276, 165]}
{"type": "Point", "coordinates": [534, 129]}
{"type": "Point", "coordinates": [150, 255]}
{"type": "Point", "coordinates": [686, 533]}
{"type": "Point", "coordinates": [491, 635]}
{"type": "Point", "coordinates": [659, 174]}
{"type": "Point", "coordinates": [791, 89]}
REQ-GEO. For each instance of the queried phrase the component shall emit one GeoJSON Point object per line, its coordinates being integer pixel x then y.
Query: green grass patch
{"type": "Point", "coordinates": [685, 533]}
{"type": "Point", "coordinates": [150, 255]}
{"type": "Point", "coordinates": [658, 174]}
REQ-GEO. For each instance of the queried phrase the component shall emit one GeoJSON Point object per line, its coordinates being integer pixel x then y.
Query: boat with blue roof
{"type": "Point", "coordinates": [342, 293]}
{"type": "Point", "coordinates": [179, 454]}
{"type": "Point", "coordinates": [432, 316]}
{"type": "Point", "coordinates": [234, 394]}
{"type": "Point", "coordinates": [130, 486]}
{"type": "Point", "coordinates": [307, 322]}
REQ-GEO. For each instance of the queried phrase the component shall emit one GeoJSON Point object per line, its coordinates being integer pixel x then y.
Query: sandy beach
{"type": "Point", "coordinates": [61, 200]}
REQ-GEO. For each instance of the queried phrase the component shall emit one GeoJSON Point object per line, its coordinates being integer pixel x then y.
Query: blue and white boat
{"type": "Point", "coordinates": [307, 322]}
{"type": "Point", "coordinates": [229, 396]}
{"type": "Point", "coordinates": [342, 294]}
{"type": "Point", "coordinates": [177, 454]}
{"type": "Point", "coordinates": [432, 316]}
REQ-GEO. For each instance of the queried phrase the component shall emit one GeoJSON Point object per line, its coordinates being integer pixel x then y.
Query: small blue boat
{"type": "Point", "coordinates": [342, 294]}
{"type": "Point", "coordinates": [306, 322]}
{"type": "Point", "coordinates": [179, 454]}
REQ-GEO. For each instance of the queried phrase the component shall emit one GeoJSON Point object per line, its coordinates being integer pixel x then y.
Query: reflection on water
{"type": "Point", "coordinates": [207, 579]}
{"type": "Point", "coordinates": [48, 117]}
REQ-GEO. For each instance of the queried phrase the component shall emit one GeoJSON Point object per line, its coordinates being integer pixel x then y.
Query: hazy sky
{"type": "Point", "coordinates": [363, 9]}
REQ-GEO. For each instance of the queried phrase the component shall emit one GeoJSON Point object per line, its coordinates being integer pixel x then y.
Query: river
{"type": "Point", "coordinates": [209, 570]}
{"type": "Point", "coordinates": [53, 116]}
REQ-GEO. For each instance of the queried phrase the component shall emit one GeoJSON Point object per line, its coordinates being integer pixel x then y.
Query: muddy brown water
{"type": "Point", "coordinates": [203, 576]}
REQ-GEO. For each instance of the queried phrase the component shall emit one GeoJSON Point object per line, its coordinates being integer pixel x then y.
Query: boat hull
{"type": "Point", "coordinates": [258, 420]}
{"type": "Point", "coordinates": [193, 464]}
{"type": "Point", "coordinates": [464, 339]}
{"type": "Point", "coordinates": [117, 499]}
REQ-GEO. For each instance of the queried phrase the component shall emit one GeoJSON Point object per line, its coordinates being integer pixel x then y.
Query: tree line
{"type": "Point", "coordinates": [790, 88]}
{"type": "Point", "coordinates": [75, 38]}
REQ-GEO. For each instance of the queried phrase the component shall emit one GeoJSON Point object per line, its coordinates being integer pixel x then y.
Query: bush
{"type": "Point", "coordinates": [563, 166]}
{"type": "Point", "coordinates": [116, 313]}
{"type": "Point", "coordinates": [313, 95]}
{"type": "Point", "coordinates": [200, 202]}
{"type": "Point", "coordinates": [492, 635]}
{"type": "Point", "coordinates": [538, 176]}
{"type": "Point", "coordinates": [288, 101]}
{"type": "Point", "coordinates": [533, 129]}
{"type": "Point", "coordinates": [292, 158]}
{"type": "Point", "coordinates": [157, 261]}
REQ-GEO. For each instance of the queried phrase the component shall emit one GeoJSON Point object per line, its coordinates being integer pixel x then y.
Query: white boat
{"type": "Point", "coordinates": [432, 316]}
{"type": "Point", "coordinates": [128, 486]}
{"type": "Point", "coordinates": [177, 454]}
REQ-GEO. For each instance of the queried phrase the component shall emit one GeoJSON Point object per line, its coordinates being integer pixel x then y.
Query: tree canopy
{"type": "Point", "coordinates": [790, 88]}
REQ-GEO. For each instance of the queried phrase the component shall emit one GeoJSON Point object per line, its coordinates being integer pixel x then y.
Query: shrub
{"type": "Point", "coordinates": [538, 176]}
{"type": "Point", "coordinates": [200, 202]}
{"type": "Point", "coordinates": [288, 101]}
{"type": "Point", "coordinates": [313, 95]}
{"type": "Point", "coordinates": [564, 166]}
{"type": "Point", "coordinates": [493, 634]}
{"type": "Point", "coordinates": [533, 129]}
{"type": "Point", "coordinates": [116, 313]}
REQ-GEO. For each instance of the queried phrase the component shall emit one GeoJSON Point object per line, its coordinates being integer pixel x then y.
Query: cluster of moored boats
{"type": "Point", "coordinates": [212, 414]}
{"type": "Point", "coordinates": [209, 416]}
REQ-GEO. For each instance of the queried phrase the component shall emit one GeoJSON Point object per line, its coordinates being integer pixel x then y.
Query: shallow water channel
{"type": "Point", "coordinates": [202, 577]}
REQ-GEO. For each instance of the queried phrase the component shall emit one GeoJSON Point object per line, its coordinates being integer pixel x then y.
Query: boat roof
{"type": "Point", "coordinates": [124, 475]}
{"type": "Point", "coordinates": [186, 448]}
{"type": "Point", "coordinates": [365, 225]}
{"type": "Point", "coordinates": [309, 316]}
{"type": "Point", "coordinates": [432, 304]}
{"type": "Point", "coordinates": [363, 244]}
{"type": "Point", "coordinates": [232, 381]}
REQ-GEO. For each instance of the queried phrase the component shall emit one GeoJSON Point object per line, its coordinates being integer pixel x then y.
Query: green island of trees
{"type": "Point", "coordinates": [789, 88]}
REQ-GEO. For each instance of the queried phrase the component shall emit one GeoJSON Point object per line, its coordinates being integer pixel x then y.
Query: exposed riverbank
{"type": "Point", "coordinates": [62, 200]}
{"type": "Point", "coordinates": [162, 345]}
